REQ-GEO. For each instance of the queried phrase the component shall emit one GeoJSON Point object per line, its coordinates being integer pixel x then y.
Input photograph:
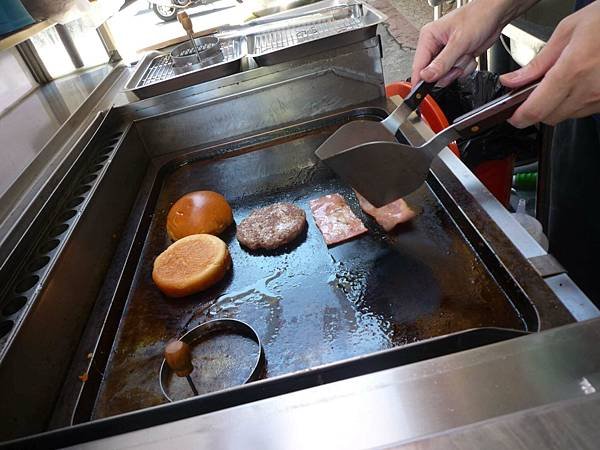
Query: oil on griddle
{"type": "Point", "coordinates": [311, 305]}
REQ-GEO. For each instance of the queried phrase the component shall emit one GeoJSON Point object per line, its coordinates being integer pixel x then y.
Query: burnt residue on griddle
{"type": "Point", "coordinates": [311, 305]}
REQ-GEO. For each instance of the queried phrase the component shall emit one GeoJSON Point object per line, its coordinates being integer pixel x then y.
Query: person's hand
{"type": "Point", "coordinates": [570, 65]}
{"type": "Point", "coordinates": [447, 47]}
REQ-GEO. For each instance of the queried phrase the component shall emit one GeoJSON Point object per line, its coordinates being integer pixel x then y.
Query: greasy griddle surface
{"type": "Point", "coordinates": [311, 305]}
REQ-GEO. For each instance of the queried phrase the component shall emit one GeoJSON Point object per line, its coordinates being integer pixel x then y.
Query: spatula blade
{"type": "Point", "coordinates": [380, 171]}
{"type": "Point", "coordinates": [353, 134]}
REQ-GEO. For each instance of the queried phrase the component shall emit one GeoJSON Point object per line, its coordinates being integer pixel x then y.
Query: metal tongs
{"type": "Point", "coordinates": [382, 170]}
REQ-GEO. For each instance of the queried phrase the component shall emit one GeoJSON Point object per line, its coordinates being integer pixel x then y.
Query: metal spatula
{"type": "Point", "coordinates": [384, 170]}
{"type": "Point", "coordinates": [360, 132]}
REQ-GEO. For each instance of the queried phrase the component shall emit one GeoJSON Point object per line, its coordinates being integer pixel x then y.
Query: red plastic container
{"type": "Point", "coordinates": [496, 175]}
{"type": "Point", "coordinates": [430, 111]}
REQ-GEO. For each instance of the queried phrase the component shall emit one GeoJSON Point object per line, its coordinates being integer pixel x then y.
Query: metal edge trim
{"type": "Point", "coordinates": [573, 299]}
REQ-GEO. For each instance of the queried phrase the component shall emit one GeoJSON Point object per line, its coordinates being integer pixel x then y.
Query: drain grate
{"type": "Point", "coordinates": [26, 283]}
{"type": "Point", "coordinates": [5, 327]}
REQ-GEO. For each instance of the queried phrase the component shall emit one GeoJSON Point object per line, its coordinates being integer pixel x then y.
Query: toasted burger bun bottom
{"type": "Point", "coordinates": [191, 264]}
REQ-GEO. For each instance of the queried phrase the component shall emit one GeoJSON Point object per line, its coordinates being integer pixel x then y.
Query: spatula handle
{"type": "Point", "coordinates": [410, 103]}
{"type": "Point", "coordinates": [186, 22]}
{"type": "Point", "coordinates": [418, 93]}
{"type": "Point", "coordinates": [179, 358]}
{"type": "Point", "coordinates": [492, 113]}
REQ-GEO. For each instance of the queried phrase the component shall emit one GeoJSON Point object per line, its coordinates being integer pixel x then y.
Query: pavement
{"type": "Point", "coordinates": [400, 33]}
{"type": "Point", "coordinates": [417, 12]}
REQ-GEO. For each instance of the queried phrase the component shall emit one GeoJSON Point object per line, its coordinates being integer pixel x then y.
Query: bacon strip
{"type": "Point", "coordinates": [335, 219]}
{"type": "Point", "coordinates": [388, 216]}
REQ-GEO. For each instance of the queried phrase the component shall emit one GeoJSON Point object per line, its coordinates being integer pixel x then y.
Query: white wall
{"type": "Point", "coordinates": [15, 79]}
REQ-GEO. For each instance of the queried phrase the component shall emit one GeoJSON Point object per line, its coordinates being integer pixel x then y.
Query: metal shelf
{"type": "Point", "coordinates": [10, 40]}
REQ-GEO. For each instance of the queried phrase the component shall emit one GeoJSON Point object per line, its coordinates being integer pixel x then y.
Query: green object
{"type": "Point", "coordinates": [526, 181]}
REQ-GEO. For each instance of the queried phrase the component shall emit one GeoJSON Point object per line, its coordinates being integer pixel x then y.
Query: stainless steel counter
{"type": "Point", "coordinates": [30, 124]}
{"type": "Point", "coordinates": [570, 424]}
{"type": "Point", "coordinates": [401, 404]}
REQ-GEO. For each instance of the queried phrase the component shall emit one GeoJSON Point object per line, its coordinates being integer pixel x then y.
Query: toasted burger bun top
{"type": "Point", "coordinates": [199, 212]}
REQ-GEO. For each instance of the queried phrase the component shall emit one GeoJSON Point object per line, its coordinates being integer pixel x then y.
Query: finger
{"type": "Point", "coordinates": [464, 66]}
{"type": "Point", "coordinates": [454, 73]}
{"type": "Point", "coordinates": [443, 62]}
{"type": "Point", "coordinates": [567, 109]}
{"type": "Point", "coordinates": [469, 68]}
{"type": "Point", "coordinates": [583, 112]}
{"type": "Point", "coordinates": [537, 67]}
{"type": "Point", "coordinates": [547, 97]}
{"type": "Point", "coordinates": [464, 61]}
{"type": "Point", "coordinates": [427, 48]}
{"type": "Point", "coordinates": [573, 106]}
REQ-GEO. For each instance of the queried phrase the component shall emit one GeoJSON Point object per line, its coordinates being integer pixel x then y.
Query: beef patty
{"type": "Point", "coordinates": [271, 227]}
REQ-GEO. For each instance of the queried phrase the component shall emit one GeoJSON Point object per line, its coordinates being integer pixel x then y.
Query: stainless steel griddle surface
{"type": "Point", "coordinates": [310, 304]}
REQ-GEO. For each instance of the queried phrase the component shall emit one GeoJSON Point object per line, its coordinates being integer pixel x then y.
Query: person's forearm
{"type": "Point", "coordinates": [508, 10]}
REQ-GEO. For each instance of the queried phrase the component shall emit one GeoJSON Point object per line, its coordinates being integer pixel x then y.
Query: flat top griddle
{"type": "Point", "coordinates": [311, 305]}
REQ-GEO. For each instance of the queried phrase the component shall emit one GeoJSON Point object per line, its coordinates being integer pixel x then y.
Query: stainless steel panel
{"type": "Point", "coordinates": [284, 37]}
{"type": "Point", "coordinates": [278, 39]}
{"type": "Point", "coordinates": [360, 62]}
{"type": "Point", "coordinates": [567, 425]}
{"type": "Point", "coordinates": [26, 205]}
{"type": "Point", "coordinates": [279, 97]}
{"type": "Point", "coordinates": [578, 304]}
{"type": "Point", "coordinates": [399, 404]}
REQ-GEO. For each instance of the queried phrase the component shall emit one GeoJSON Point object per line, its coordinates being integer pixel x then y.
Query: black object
{"type": "Point", "coordinates": [500, 141]}
{"type": "Point", "coordinates": [574, 186]}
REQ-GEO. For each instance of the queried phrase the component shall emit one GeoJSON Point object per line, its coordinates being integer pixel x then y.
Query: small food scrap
{"type": "Point", "coordinates": [335, 219]}
{"type": "Point", "coordinates": [388, 216]}
{"type": "Point", "coordinates": [271, 227]}
{"type": "Point", "coordinates": [83, 377]}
